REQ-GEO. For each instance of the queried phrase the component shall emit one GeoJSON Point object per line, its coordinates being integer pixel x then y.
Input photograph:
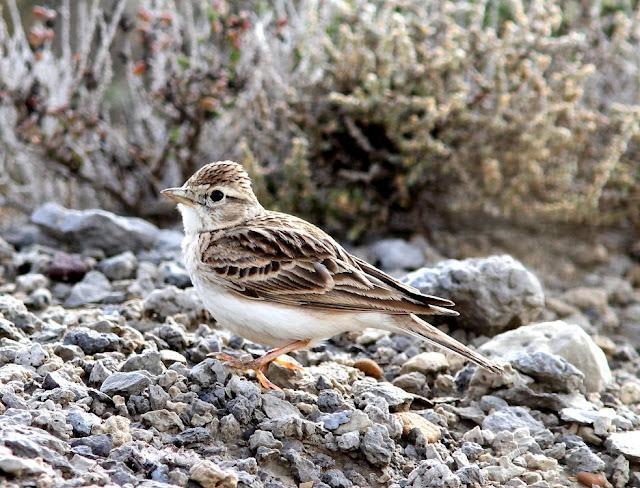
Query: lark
{"type": "Point", "coordinates": [280, 281]}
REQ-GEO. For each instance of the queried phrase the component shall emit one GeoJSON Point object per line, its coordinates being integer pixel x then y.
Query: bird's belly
{"type": "Point", "coordinates": [277, 325]}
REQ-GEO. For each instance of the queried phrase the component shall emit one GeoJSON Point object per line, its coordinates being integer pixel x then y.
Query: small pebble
{"type": "Point", "coordinates": [411, 420]}
{"type": "Point", "coordinates": [592, 479]}
{"type": "Point", "coordinates": [369, 367]}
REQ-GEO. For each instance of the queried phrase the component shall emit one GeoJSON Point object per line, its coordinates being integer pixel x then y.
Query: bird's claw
{"type": "Point", "coordinates": [265, 382]}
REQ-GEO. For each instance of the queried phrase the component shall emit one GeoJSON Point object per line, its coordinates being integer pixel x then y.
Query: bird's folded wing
{"type": "Point", "coordinates": [301, 265]}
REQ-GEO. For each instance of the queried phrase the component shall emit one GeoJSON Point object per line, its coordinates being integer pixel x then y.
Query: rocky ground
{"type": "Point", "coordinates": [105, 377]}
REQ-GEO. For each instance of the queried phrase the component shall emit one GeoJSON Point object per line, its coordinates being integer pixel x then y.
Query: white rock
{"type": "Point", "coordinates": [630, 393]}
{"type": "Point", "coordinates": [369, 336]}
{"type": "Point", "coordinates": [585, 416]}
{"type": "Point", "coordinates": [275, 408]}
{"type": "Point", "coordinates": [625, 443]}
{"type": "Point", "coordinates": [120, 267]}
{"type": "Point", "coordinates": [558, 337]}
{"type": "Point", "coordinates": [31, 281]}
{"type": "Point", "coordinates": [14, 372]}
{"type": "Point", "coordinates": [93, 288]}
{"type": "Point", "coordinates": [540, 462]}
{"type": "Point", "coordinates": [15, 466]}
{"type": "Point", "coordinates": [210, 475]}
{"type": "Point", "coordinates": [169, 357]}
{"type": "Point", "coordinates": [163, 420]}
{"type": "Point", "coordinates": [34, 355]}
{"type": "Point", "coordinates": [426, 362]}
{"type": "Point", "coordinates": [397, 254]}
{"type": "Point", "coordinates": [118, 427]}
{"type": "Point", "coordinates": [358, 421]}
{"type": "Point", "coordinates": [600, 419]}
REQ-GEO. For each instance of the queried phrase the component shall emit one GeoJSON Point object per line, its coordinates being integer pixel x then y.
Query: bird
{"type": "Point", "coordinates": [280, 281]}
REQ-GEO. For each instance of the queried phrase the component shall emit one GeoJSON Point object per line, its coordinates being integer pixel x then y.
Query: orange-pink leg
{"type": "Point", "coordinates": [260, 365]}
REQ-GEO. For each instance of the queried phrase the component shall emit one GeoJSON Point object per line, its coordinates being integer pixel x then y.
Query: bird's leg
{"type": "Point", "coordinates": [272, 356]}
{"type": "Point", "coordinates": [260, 365]}
{"type": "Point", "coordinates": [264, 381]}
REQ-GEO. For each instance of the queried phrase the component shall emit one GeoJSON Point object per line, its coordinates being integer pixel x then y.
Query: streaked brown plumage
{"type": "Point", "coordinates": [256, 268]}
{"type": "Point", "coordinates": [284, 259]}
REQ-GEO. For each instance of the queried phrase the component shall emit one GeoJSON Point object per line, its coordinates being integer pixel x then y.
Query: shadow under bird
{"type": "Point", "coordinates": [278, 280]}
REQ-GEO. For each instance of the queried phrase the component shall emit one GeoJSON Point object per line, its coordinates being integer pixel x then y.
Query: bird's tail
{"type": "Point", "coordinates": [415, 326]}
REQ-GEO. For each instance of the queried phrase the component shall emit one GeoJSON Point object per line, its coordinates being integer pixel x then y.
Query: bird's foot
{"type": "Point", "coordinates": [258, 367]}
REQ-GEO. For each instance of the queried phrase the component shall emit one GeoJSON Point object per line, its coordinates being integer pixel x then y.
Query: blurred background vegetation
{"type": "Point", "coordinates": [361, 115]}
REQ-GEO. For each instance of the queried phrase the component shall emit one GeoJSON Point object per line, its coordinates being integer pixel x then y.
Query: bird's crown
{"type": "Point", "coordinates": [221, 173]}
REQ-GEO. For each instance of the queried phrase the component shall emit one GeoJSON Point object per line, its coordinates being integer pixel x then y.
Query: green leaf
{"type": "Point", "coordinates": [183, 61]}
{"type": "Point", "coordinates": [234, 56]}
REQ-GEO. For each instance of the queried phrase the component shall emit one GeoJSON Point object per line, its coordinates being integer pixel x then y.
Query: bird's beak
{"type": "Point", "coordinates": [178, 195]}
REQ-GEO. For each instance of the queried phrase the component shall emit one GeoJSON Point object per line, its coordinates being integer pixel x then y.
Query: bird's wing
{"type": "Point", "coordinates": [283, 259]}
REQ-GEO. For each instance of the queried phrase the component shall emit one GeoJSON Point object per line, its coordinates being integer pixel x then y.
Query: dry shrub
{"type": "Point", "coordinates": [507, 108]}
{"type": "Point", "coordinates": [362, 114]}
{"type": "Point", "coordinates": [104, 106]}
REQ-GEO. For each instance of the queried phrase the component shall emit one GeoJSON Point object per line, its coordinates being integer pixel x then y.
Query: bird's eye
{"type": "Point", "coordinates": [216, 195]}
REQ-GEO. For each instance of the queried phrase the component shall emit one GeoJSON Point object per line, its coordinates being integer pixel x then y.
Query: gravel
{"type": "Point", "coordinates": [106, 380]}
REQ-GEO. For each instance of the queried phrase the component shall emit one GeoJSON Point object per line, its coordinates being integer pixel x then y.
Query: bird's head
{"type": "Point", "coordinates": [218, 195]}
